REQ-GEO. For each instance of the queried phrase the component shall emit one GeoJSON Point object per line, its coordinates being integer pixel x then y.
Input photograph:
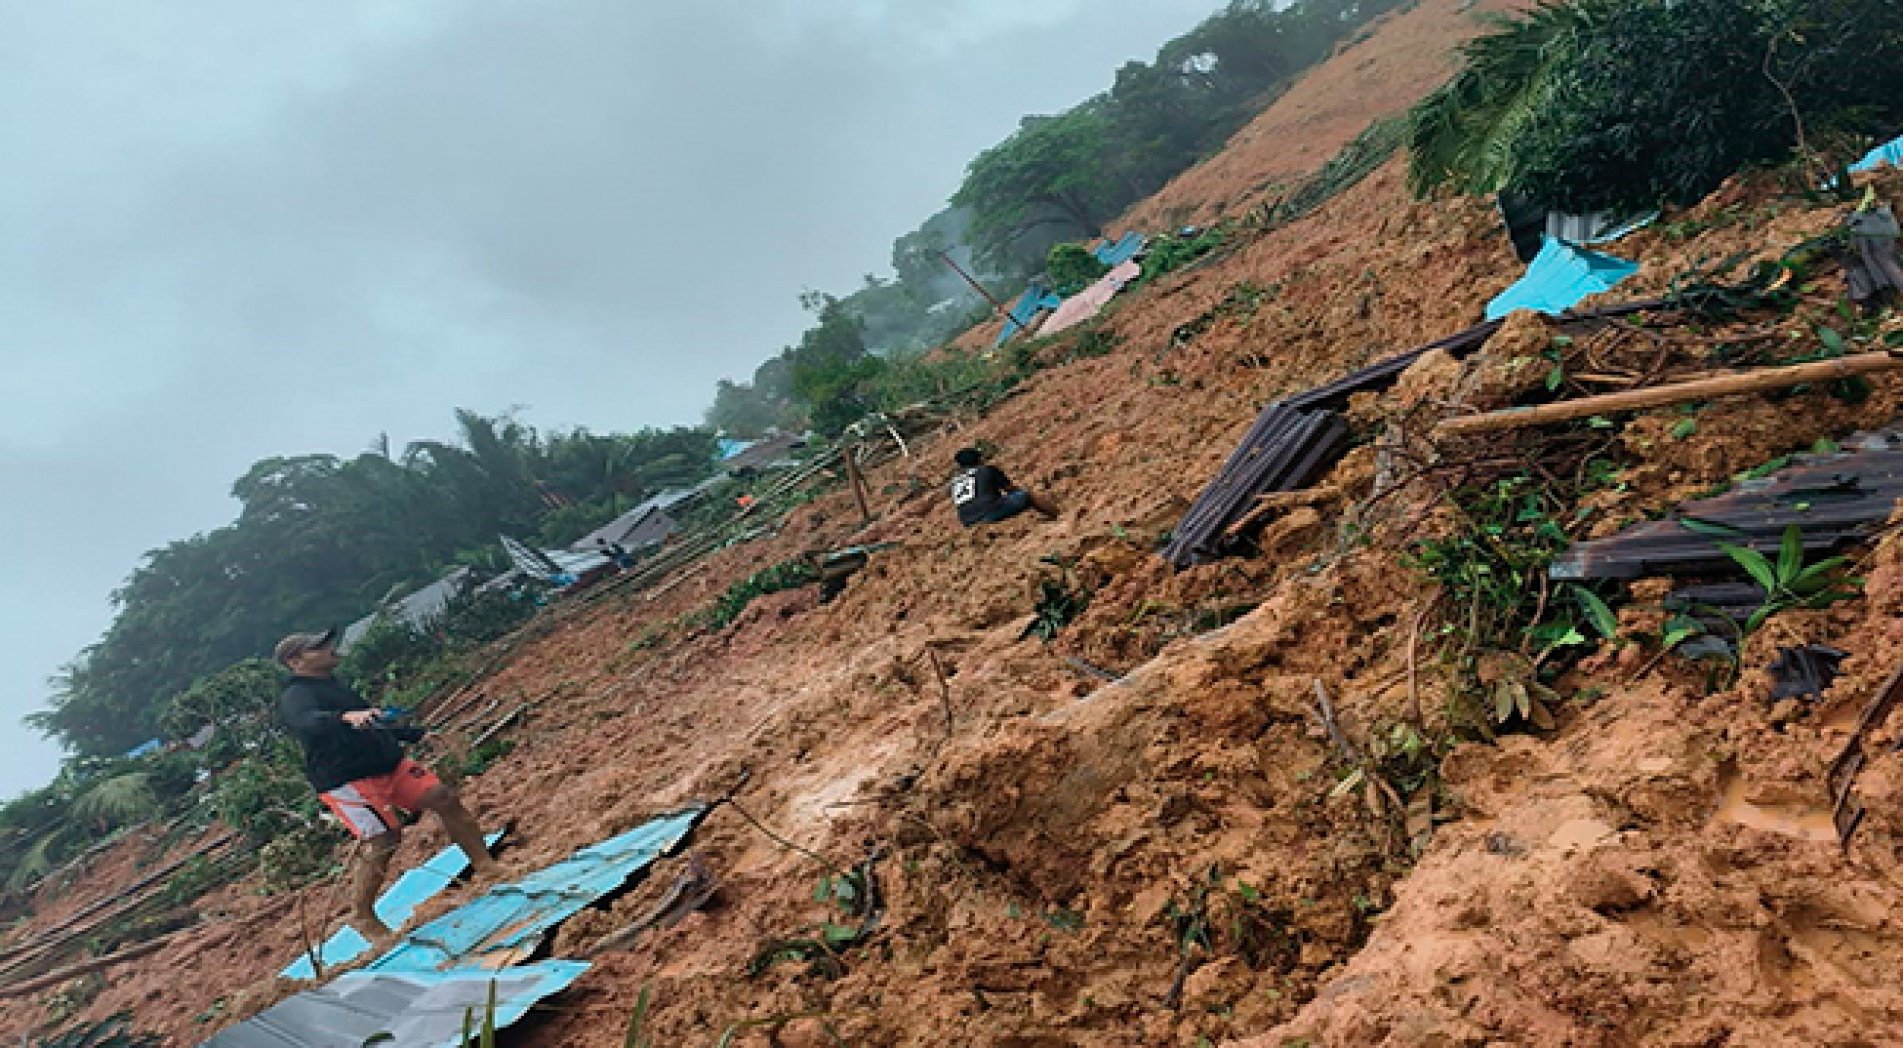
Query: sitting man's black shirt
{"type": "Point", "coordinates": [976, 491]}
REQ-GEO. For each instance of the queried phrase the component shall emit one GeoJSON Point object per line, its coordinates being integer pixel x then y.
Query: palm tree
{"type": "Point", "coordinates": [1467, 132]}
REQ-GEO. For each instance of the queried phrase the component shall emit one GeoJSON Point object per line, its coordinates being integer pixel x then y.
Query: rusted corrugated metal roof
{"type": "Point", "coordinates": [1834, 499]}
{"type": "Point", "coordinates": [1294, 440]}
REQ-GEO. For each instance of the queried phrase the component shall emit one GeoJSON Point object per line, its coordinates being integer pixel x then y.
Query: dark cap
{"type": "Point", "coordinates": [298, 643]}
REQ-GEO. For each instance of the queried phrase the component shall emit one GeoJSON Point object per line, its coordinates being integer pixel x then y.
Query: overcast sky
{"type": "Point", "coordinates": [231, 229]}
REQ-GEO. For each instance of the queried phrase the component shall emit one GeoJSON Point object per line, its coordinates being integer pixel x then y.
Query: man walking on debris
{"type": "Point", "coordinates": [984, 495]}
{"type": "Point", "coordinates": [360, 773]}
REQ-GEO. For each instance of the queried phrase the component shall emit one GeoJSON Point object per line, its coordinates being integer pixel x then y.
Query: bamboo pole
{"type": "Point", "coordinates": [71, 971]}
{"type": "Point", "coordinates": [1730, 385]}
{"type": "Point", "coordinates": [858, 482]}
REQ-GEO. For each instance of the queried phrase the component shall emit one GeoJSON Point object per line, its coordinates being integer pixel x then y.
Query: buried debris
{"type": "Point", "coordinates": [1294, 440]}
{"type": "Point", "coordinates": [1870, 266]}
{"type": "Point", "coordinates": [1805, 671]}
{"type": "Point", "coordinates": [689, 892]}
{"type": "Point", "coordinates": [834, 567]}
{"type": "Point", "coordinates": [1846, 811]}
{"type": "Point", "coordinates": [1832, 499]}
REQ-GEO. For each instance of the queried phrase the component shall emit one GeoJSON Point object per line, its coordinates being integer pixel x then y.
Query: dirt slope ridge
{"type": "Point", "coordinates": [1383, 71]}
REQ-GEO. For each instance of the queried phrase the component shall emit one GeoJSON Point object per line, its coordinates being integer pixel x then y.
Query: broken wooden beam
{"type": "Point", "coordinates": [1274, 502]}
{"type": "Point", "coordinates": [1730, 385]}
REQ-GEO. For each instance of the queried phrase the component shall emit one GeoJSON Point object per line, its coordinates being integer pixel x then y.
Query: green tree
{"type": "Point", "coordinates": [1049, 173]}
{"type": "Point", "coordinates": [1598, 104]}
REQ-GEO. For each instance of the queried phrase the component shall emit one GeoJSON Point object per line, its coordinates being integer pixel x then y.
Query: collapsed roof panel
{"type": "Point", "coordinates": [1280, 454]}
{"type": "Point", "coordinates": [1091, 300]}
{"type": "Point", "coordinates": [1123, 249]}
{"type": "Point", "coordinates": [1834, 499]}
{"type": "Point", "coordinates": [506, 925]}
{"type": "Point", "coordinates": [394, 908]}
{"type": "Point", "coordinates": [1287, 449]}
{"type": "Point", "coordinates": [1890, 153]}
{"type": "Point", "coordinates": [415, 1009]}
{"type": "Point", "coordinates": [1559, 277]}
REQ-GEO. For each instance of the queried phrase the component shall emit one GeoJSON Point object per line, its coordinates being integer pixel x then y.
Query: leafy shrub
{"type": "Point", "coordinates": [265, 796]}
{"type": "Point", "coordinates": [1072, 268]}
{"type": "Point", "coordinates": [1170, 253]}
{"type": "Point", "coordinates": [788, 574]}
{"type": "Point", "coordinates": [1059, 602]}
{"type": "Point", "coordinates": [1629, 103]}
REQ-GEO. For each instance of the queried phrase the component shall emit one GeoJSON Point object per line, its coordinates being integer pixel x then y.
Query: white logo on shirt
{"type": "Point", "coordinates": [965, 487]}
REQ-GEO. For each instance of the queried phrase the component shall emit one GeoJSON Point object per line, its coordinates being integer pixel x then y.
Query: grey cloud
{"type": "Point", "coordinates": [261, 229]}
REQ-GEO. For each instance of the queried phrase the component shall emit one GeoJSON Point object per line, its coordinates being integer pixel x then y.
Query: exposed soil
{"type": "Point", "coordinates": [1169, 858]}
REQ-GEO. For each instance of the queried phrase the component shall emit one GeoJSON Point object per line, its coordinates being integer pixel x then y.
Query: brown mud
{"type": "Point", "coordinates": [1184, 855]}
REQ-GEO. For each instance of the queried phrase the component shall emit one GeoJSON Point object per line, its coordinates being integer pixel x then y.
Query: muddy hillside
{"type": "Point", "coordinates": [1374, 779]}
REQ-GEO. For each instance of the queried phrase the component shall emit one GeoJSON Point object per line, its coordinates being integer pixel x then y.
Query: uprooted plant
{"type": "Point", "coordinates": [1788, 582]}
{"type": "Point", "coordinates": [854, 896]}
{"type": "Point", "coordinates": [1214, 917]}
{"type": "Point", "coordinates": [1059, 602]}
{"type": "Point", "coordinates": [1504, 627]}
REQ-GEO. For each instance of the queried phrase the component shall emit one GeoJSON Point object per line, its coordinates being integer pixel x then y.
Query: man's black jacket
{"type": "Point", "coordinates": [334, 752]}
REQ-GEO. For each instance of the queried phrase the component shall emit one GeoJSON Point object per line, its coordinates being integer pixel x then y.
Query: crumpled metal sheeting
{"type": "Point", "coordinates": [1833, 499]}
{"type": "Point", "coordinates": [417, 1009]}
{"type": "Point", "coordinates": [506, 925]}
{"type": "Point", "coordinates": [394, 907]}
{"type": "Point", "coordinates": [1260, 463]}
{"type": "Point", "coordinates": [1285, 450]}
{"type": "Point", "coordinates": [1870, 264]}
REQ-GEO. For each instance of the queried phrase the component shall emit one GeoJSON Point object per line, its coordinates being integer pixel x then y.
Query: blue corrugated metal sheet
{"type": "Point", "coordinates": [1890, 153]}
{"type": "Point", "coordinates": [395, 906]}
{"type": "Point", "coordinates": [417, 1009]}
{"type": "Point", "coordinates": [1559, 277]}
{"type": "Point", "coordinates": [1123, 249]}
{"type": "Point", "coordinates": [506, 924]}
{"type": "Point", "coordinates": [1036, 299]}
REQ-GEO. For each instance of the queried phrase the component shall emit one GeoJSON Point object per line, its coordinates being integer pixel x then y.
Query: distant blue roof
{"type": "Point", "coordinates": [395, 907]}
{"type": "Point", "coordinates": [146, 748]}
{"type": "Point", "coordinates": [1559, 277]}
{"type": "Point", "coordinates": [1124, 248]}
{"type": "Point", "coordinates": [1036, 299]}
{"type": "Point", "coordinates": [1890, 153]}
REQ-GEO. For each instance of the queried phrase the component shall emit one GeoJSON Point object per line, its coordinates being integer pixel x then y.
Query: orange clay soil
{"type": "Point", "coordinates": [1167, 859]}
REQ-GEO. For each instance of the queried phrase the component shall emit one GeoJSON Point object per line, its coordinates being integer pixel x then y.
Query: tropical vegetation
{"type": "Point", "coordinates": [1586, 105]}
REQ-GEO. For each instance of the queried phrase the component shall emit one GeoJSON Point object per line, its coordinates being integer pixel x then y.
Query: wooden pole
{"type": "Point", "coordinates": [1730, 385]}
{"type": "Point", "coordinates": [858, 485]}
{"type": "Point", "coordinates": [72, 971]}
{"type": "Point", "coordinates": [975, 286]}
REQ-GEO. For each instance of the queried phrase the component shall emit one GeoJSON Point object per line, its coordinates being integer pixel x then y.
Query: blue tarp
{"type": "Point", "coordinates": [416, 1009]}
{"type": "Point", "coordinates": [1123, 249]}
{"type": "Point", "coordinates": [395, 907]}
{"type": "Point", "coordinates": [146, 748]}
{"type": "Point", "coordinates": [1036, 299]}
{"type": "Point", "coordinates": [506, 924]}
{"type": "Point", "coordinates": [1559, 277]}
{"type": "Point", "coordinates": [1890, 153]}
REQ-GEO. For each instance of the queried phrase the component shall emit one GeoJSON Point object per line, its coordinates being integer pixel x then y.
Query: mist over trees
{"type": "Point", "coordinates": [1059, 178]}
